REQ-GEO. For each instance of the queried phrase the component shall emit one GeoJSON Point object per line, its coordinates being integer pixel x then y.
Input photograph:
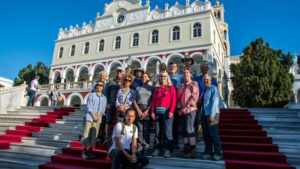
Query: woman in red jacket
{"type": "Point", "coordinates": [162, 111]}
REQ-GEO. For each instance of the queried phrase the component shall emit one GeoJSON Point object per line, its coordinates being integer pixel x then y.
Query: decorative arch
{"type": "Point", "coordinates": [152, 68]}
{"type": "Point", "coordinates": [80, 68]}
{"type": "Point", "coordinates": [86, 98]}
{"type": "Point", "coordinates": [57, 75]}
{"type": "Point", "coordinates": [136, 63]}
{"type": "Point", "coordinates": [111, 73]}
{"type": "Point", "coordinates": [95, 71]}
{"type": "Point", "coordinates": [71, 97]}
{"type": "Point", "coordinates": [41, 98]}
{"type": "Point", "coordinates": [112, 64]}
{"type": "Point", "coordinates": [67, 70]}
{"type": "Point", "coordinates": [152, 58]}
{"type": "Point", "coordinates": [174, 55]}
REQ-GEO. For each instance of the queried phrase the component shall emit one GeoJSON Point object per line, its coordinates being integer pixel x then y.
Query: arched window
{"type": "Point", "coordinates": [61, 51]}
{"type": "Point", "coordinates": [101, 45]}
{"type": "Point", "coordinates": [72, 50]}
{"type": "Point", "coordinates": [86, 48]}
{"type": "Point", "coordinates": [135, 39]}
{"type": "Point", "coordinates": [155, 36]}
{"type": "Point", "coordinates": [118, 42]}
{"type": "Point", "coordinates": [197, 30]}
{"type": "Point", "coordinates": [176, 33]}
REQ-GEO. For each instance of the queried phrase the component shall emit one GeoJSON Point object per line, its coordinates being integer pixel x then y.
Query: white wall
{"type": "Point", "coordinates": [11, 98]}
{"type": "Point", "coordinates": [6, 82]}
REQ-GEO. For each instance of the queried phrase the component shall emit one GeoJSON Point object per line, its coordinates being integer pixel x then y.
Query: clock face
{"type": "Point", "coordinates": [121, 18]}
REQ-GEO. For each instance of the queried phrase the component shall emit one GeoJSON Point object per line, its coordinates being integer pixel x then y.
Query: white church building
{"type": "Point", "coordinates": [129, 33]}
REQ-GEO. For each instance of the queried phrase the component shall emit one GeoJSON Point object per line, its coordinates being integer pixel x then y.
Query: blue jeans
{"type": "Point", "coordinates": [162, 121]}
{"type": "Point", "coordinates": [54, 103]}
{"type": "Point", "coordinates": [210, 131]}
{"type": "Point", "coordinates": [31, 98]}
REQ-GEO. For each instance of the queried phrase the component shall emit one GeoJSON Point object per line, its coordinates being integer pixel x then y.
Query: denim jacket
{"type": "Point", "coordinates": [211, 101]}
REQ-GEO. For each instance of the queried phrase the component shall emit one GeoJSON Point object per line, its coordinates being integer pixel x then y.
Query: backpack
{"type": "Point", "coordinates": [123, 129]}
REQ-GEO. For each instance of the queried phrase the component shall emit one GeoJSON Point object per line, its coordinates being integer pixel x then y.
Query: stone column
{"type": "Point", "coordinates": [51, 81]}
{"type": "Point", "coordinates": [91, 77]}
{"type": "Point", "coordinates": [62, 80]}
{"type": "Point", "coordinates": [75, 79]}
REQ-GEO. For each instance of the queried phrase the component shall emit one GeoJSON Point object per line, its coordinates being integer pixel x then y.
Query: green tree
{"type": "Point", "coordinates": [28, 73]}
{"type": "Point", "coordinates": [262, 78]}
{"type": "Point", "coordinates": [1, 85]}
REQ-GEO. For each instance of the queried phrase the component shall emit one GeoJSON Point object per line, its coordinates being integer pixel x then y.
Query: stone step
{"type": "Point", "coordinates": [57, 132]}
{"type": "Point", "coordinates": [15, 163]}
{"type": "Point", "coordinates": [270, 126]}
{"type": "Point", "coordinates": [185, 163]}
{"type": "Point", "coordinates": [57, 136]}
{"type": "Point", "coordinates": [46, 142]}
{"type": "Point", "coordinates": [64, 130]}
{"type": "Point", "coordinates": [25, 155]}
{"type": "Point", "coordinates": [285, 137]}
{"type": "Point", "coordinates": [27, 117]}
{"type": "Point", "coordinates": [46, 150]}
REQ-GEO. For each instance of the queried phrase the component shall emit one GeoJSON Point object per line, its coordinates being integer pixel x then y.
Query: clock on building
{"type": "Point", "coordinates": [121, 18]}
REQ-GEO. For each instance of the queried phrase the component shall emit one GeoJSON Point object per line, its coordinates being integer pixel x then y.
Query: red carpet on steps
{"type": "Point", "coordinates": [245, 145]}
{"type": "Point", "coordinates": [15, 136]}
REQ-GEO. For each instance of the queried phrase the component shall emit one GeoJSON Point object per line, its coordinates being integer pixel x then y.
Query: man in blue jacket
{"type": "Point", "coordinates": [210, 112]}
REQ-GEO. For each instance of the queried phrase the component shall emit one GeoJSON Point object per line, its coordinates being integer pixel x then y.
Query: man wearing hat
{"type": "Point", "coordinates": [188, 63]}
{"type": "Point", "coordinates": [138, 73]}
{"type": "Point", "coordinates": [112, 91]}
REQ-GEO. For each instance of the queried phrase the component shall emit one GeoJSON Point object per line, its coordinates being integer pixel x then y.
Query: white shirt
{"type": "Point", "coordinates": [126, 138]}
{"type": "Point", "coordinates": [33, 83]}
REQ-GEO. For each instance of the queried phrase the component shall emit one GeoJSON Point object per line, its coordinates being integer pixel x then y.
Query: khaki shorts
{"type": "Point", "coordinates": [90, 134]}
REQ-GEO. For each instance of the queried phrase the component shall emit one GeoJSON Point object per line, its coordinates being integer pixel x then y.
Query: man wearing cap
{"type": "Point", "coordinates": [112, 91]}
{"type": "Point", "coordinates": [188, 63]}
{"type": "Point", "coordinates": [138, 73]}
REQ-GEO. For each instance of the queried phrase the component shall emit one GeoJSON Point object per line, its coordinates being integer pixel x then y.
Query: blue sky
{"type": "Point", "coordinates": [29, 27]}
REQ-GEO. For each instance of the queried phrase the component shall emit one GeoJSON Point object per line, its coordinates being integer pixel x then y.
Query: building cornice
{"type": "Point", "coordinates": [135, 24]}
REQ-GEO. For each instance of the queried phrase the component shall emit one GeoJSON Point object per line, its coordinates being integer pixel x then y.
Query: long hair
{"type": "Point", "coordinates": [169, 82]}
{"type": "Point", "coordinates": [128, 76]}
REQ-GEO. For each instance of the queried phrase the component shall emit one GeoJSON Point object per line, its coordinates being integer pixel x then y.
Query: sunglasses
{"type": "Point", "coordinates": [187, 60]}
{"type": "Point", "coordinates": [163, 76]}
{"type": "Point", "coordinates": [101, 85]}
{"type": "Point", "coordinates": [127, 80]}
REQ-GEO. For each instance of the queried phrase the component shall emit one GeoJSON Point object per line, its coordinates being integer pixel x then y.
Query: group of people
{"type": "Point", "coordinates": [176, 102]}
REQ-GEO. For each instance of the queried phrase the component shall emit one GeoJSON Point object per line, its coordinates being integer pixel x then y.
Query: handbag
{"type": "Point", "coordinates": [178, 104]}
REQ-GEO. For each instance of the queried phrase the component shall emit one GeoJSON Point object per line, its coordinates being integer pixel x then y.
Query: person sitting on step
{"type": "Point", "coordinates": [123, 151]}
{"type": "Point", "coordinates": [96, 105]}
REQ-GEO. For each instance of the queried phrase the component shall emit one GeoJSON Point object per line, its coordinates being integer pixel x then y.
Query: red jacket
{"type": "Point", "coordinates": [164, 97]}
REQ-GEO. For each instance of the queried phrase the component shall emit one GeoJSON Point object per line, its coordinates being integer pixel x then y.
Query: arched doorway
{"type": "Point", "coordinates": [83, 74]}
{"type": "Point", "coordinates": [75, 101]}
{"type": "Point", "coordinates": [135, 65]}
{"type": "Point", "coordinates": [69, 76]}
{"type": "Point", "coordinates": [152, 66]}
{"type": "Point", "coordinates": [97, 71]}
{"type": "Point", "coordinates": [198, 60]}
{"type": "Point", "coordinates": [113, 70]}
{"type": "Point", "coordinates": [178, 61]}
{"type": "Point", "coordinates": [57, 78]}
{"type": "Point", "coordinates": [44, 102]}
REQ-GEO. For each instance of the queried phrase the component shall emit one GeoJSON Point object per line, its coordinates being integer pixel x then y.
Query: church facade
{"type": "Point", "coordinates": [129, 33]}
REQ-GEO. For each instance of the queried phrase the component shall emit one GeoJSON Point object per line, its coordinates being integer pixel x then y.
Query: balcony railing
{"type": "Point", "coordinates": [67, 86]}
